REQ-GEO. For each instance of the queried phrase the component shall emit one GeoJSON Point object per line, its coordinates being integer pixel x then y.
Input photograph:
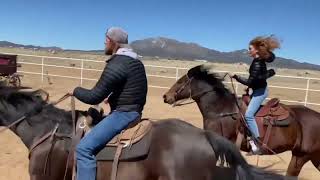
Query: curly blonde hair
{"type": "Point", "coordinates": [265, 45]}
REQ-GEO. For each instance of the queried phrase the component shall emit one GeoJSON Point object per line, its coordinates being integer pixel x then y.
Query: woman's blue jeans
{"type": "Point", "coordinates": [258, 96]}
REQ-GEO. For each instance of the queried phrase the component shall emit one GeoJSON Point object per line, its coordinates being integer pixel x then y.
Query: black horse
{"type": "Point", "coordinates": [178, 150]}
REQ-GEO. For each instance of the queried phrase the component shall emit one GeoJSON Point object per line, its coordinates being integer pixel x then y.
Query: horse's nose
{"type": "Point", "coordinates": [165, 98]}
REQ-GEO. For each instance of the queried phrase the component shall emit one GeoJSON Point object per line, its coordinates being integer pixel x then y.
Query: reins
{"type": "Point", "coordinates": [244, 123]}
{"type": "Point", "coordinates": [12, 124]}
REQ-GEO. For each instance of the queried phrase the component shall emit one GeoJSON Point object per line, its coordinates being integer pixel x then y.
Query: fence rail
{"type": "Point", "coordinates": [307, 89]}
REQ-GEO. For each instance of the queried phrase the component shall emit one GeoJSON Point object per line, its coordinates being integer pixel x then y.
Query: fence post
{"type": "Point", "coordinates": [81, 73]}
{"type": "Point", "coordinates": [307, 92]}
{"type": "Point", "coordinates": [42, 69]}
{"type": "Point", "coordinates": [177, 73]}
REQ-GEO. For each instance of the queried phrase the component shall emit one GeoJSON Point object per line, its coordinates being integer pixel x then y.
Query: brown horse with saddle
{"type": "Point", "coordinates": [282, 127]}
{"type": "Point", "coordinates": [163, 150]}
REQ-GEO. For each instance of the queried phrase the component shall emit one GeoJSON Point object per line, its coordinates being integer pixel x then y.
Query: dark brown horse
{"type": "Point", "coordinates": [220, 114]}
{"type": "Point", "coordinates": [178, 150]}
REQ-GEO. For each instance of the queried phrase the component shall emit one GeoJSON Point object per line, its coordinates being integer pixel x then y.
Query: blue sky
{"type": "Point", "coordinates": [224, 25]}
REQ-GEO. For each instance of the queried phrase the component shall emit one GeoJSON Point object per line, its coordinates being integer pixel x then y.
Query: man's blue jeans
{"type": "Point", "coordinates": [96, 140]}
{"type": "Point", "coordinates": [258, 96]}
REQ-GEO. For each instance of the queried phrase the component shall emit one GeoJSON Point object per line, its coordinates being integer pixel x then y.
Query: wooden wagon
{"type": "Point", "coordinates": [8, 70]}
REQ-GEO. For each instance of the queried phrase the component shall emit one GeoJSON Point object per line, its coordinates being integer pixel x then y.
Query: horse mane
{"type": "Point", "coordinates": [206, 73]}
{"type": "Point", "coordinates": [17, 102]}
{"type": "Point", "coordinates": [15, 97]}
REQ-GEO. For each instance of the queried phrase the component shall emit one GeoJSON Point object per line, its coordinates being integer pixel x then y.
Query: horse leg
{"type": "Point", "coordinates": [296, 165]}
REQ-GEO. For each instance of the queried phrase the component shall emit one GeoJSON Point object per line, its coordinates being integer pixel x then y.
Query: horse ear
{"type": "Point", "coordinates": [209, 68]}
{"type": "Point", "coordinates": [193, 72]}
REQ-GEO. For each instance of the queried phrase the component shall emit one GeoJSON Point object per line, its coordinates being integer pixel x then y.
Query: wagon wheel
{"type": "Point", "coordinates": [15, 81]}
{"type": "Point", "coordinates": [3, 82]}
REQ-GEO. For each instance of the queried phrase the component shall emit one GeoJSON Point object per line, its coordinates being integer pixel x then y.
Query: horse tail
{"type": "Point", "coordinates": [228, 153]}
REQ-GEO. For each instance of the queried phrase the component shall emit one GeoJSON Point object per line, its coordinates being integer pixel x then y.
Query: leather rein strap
{"type": "Point", "coordinates": [76, 137]}
{"type": "Point", "coordinates": [13, 124]}
{"type": "Point", "coordinates": [116, 160]}
{"type": "Point", "coordinates": [243, 122]}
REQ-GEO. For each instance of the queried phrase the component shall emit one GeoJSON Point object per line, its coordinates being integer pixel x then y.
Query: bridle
{"type": "Point", "coordinates": [199, 95]}
{"type": "Point", "coordinates": [191, 97]}
{"type": "Point", "coordinates": [183, 87]}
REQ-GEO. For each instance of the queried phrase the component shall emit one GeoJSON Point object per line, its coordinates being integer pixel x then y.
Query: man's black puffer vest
{"type": "Point", "coordinates": [258, 74]}
{"type": "Point", "coordinates": [125, 78]}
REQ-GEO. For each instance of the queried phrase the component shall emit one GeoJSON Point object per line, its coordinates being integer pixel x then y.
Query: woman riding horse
{"type": "Point", "coordinates": [260, 49]}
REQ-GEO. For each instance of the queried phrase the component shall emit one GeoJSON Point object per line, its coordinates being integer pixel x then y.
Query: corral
{"type": "Point", "coordinates": [295, 86]}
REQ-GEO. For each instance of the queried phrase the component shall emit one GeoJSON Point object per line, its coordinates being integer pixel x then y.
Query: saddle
{"type": "Point", "coordinates": [132, 143]}
{"type": "Point", "coordinates": [134, 140]}
{"type": "Point", "coordinates": [273, 112]}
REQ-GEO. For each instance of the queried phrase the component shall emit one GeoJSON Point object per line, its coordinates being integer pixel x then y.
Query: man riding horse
{"type": "Point", "coordinates": [261, 50]}
{"type": "Point", "coordinates": [124, 83]}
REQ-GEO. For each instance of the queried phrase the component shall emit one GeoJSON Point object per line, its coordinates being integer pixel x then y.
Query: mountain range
{"type": "Point", "coordinates": [170, 48]}
{"type": "Point", "coordinates": [14, 45]}
{"type": "Point", "coordinates": [161, 47]}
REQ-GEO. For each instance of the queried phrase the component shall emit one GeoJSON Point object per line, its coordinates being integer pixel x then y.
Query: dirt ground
{"type": "Point", "coordinates": [13, 154]}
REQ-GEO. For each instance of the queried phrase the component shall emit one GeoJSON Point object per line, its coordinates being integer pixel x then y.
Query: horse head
{"type": "Point", "coordinates": [17, 102]}
{"type": "Point", "coordinates": [198, 81]}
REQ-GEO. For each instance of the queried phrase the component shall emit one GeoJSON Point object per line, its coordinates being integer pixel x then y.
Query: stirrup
{"type": "Point", "coordinates": [255, 148]}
